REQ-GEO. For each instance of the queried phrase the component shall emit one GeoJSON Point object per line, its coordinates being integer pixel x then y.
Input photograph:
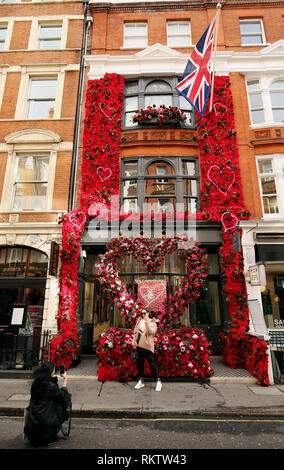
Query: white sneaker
{"type": "Point", "coordinates": [158, 386]}
{"type": "Point", "coordinates": [140, 384]}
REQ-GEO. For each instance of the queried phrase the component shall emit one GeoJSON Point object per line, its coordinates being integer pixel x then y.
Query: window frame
{"type": "Point", "coordinates": [262, 33]}
{"type": "Point", "coordinates": [16, 181]}
{"type": "Point", "coordinates": [176, 162]}
{"type": "Point", "coordinates": [179, 34]}
{"type": "Point", "coordinates": [265, 82]}
{"type": "Point", "coordinates": [40, 99]}
{"type": "Point", "coordinates": [142, 84]}
{"type": "Point", "coordinates": [125, 37]}
{"type": "Point", "coordinates": [48, 21]}
{"type": "Point", "coordinates": [42, 24]}
{"type": "Point", "coordinates": [278, 175]}
{"type": "Point", "coordinates": [8, 24]}
{"type": "Point", "coordinates": [40, 71]}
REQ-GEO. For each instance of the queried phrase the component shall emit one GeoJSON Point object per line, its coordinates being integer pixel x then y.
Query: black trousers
{"type": "Point", "coordinates": [141, 355]}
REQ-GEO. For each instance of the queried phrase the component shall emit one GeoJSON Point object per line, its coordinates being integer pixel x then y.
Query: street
{"type": "Point", "coordinates": [162, 433]}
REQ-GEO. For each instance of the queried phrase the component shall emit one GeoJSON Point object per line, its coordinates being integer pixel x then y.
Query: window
{"type": "Point", "coordinates": [30, 187]}
{"type": "Point", "coordinates": [41, 99]}
{"type": "Point", "coordinates": [22, 262]}
{"type": "Point", "coordinates": [255, 102]}
{"type": "Point", "coordinates": [145, 92]}
{"type": "Point", "coordinates": [266, 99]}
{"type": "Point", "coordinates": [3, 35]}
{"type": "Point", "coordinates": [135, 35]}
{"type": "Point", "coordinates": [166, 184]}
{"type": "Point", "coordinates": [277, 100]}
{"type": "Point", "coordinates": [50, 36]}
{"type": "Point", "coordinates": [252, 32]}
{"type": "Point", "coordinates": [178, 34]}
{"type": "Point", "coordinates": [271, 178]}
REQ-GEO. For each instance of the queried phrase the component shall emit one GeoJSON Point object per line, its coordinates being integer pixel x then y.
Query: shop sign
{"type": "Point", "coordinates": [278, 323]}
{"type": "Point", "coordinates": [35, 313]}
{"type": "Point", "coordinates": [257, 275]}
{"type": "Point", "coordinates": [54, 257]}
{"type": "Point", "coordinates": [236, 242]}
{"type": "Point", "coordinates": [18, 314]}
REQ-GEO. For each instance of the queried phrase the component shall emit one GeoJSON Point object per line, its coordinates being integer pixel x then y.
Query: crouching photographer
{"type": "Point", "coordinates": [49, 407]}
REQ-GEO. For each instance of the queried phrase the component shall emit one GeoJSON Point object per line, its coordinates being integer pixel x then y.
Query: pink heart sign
{"type": "Point", "coordinates": [152, 294]}
{"type": "Point", "coordinates": [222, 178]}
{"type": "Point", "coordinates": [107, 111]}
{"type": "Point", "coordinates": [104, 173]}
{"type": "Point", "coordinates": [221, 107]}
{"type": "Point", "coordinates": [75, 219]}
{"type": "Point", "coordinates": [229, 221]}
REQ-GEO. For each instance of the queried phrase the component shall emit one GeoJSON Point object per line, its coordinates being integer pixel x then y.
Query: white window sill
{"type": "Point", "coordinates": [123, 48]}
{"type": "Point", "coordinates": [266, 125]}
{"type": "Point", "coordinates": [256, 45]}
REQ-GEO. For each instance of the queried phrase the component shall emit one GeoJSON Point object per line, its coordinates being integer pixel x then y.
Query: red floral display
{"type": "Point", "coordinates": [222, 201]}
{"type": "Point", "coordinates": [100, 179]}
{"type": "Point", "coordinates": [179, 353]}
{"type": "Point", "coordinates": [152, 294]}
{"type": "Point", "coordinates": [151, 253]}
{"type": "Point", "coordinates": [161, 115]}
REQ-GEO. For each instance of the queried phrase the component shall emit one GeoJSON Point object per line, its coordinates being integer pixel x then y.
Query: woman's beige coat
{"type": "Point", "coordinates": [146, 340]}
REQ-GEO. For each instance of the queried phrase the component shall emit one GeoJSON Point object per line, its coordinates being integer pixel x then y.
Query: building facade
{"type": "Point", "coordinates": [149, 45]}
{"type": "Point", "coordinates": [40, 50]}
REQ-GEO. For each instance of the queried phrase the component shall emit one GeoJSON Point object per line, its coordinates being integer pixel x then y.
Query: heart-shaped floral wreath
{"type": "Point", "coordinates": [151, 254]}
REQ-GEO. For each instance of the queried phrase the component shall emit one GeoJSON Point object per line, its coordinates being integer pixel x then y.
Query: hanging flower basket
{"type": "Point", "coordinates": [162, 116]}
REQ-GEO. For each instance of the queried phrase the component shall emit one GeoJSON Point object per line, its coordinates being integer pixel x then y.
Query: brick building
{"type": "Point", "coordinates": [149, 44]}
{"type": "Point", "coordinates": [40, 57]}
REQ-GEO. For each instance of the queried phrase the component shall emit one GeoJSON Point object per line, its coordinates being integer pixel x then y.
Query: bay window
{"type": "Point", "coordinates": [166, 184]}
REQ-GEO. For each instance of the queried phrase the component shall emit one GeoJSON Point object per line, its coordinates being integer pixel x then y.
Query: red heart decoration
{"type": "Point", "coordinates": [101, 170]}
{"type": "Point", "coordinates": [220, 107]}
{"type": "Point", "coordinates": [108, 111]}
{"type": "Point", "coordinates": [151, 255]}
{"type": "Point", "coordinates": [77, 219]}
{"type": "Point", "coordinates": [229, 221]}
{"type": "Point", "coordinates": [152, 294]}
{"type": "Point", "coordinates": [222, 178]}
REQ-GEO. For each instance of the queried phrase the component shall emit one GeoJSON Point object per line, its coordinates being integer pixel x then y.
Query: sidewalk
{"type": "Point", "coordinates": [239, 395]}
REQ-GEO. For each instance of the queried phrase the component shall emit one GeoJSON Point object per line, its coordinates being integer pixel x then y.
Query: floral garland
{"type": "Point", "coordinates": [179, 353]}
{"type": "Point", "coordinates": [151, 254]}
{"type": "Point", "coordinates": [163, 114]}
{"type": "Point", "coordinates": [222, 201]}
{"type": "Point", "coordinates": [100, 179]}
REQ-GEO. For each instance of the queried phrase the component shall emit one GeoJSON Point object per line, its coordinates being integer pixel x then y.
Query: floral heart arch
{"type": "Point", "coordinates": [151, 253]}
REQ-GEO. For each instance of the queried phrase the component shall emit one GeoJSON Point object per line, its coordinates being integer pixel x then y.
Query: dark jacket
{"type": "Point", "coordinates": [46, 413]}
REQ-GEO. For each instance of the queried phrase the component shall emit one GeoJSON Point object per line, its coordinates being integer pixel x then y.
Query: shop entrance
{"type": "Point", "coordinates": [99, 313]}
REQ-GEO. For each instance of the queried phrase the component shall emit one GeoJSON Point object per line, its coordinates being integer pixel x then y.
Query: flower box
{"type": "Point", "coordinates": [153, 122]}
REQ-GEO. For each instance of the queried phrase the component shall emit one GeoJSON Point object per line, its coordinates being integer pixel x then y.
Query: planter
{"type": "Point", "coordinates": [154, 123]}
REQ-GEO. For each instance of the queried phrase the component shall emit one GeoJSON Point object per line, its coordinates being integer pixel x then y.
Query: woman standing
{"type": "Point", "coordinates": [144, 333]}
{"type": "Point", "coordinates": [48, 406]}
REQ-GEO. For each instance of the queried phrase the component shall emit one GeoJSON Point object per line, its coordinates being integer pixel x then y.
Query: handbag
{"type": "Point", "coordinates": [134, 356]}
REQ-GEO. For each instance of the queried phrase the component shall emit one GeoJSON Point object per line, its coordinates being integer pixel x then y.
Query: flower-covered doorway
{"type": "Point", "coordinates": [98, 312]}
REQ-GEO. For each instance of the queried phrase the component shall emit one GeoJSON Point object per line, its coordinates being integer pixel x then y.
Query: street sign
{"type": "Point", "coordinates": [257, 275]}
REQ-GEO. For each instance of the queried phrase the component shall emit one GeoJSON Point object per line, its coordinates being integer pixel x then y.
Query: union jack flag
{"type": "Point", "coordinates": [196, 83]}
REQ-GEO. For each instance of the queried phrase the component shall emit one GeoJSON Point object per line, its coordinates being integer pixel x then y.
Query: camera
{"type": "Point", "coordinates": [62, 369]}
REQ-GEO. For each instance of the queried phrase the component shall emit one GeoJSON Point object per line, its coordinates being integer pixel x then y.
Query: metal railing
{"type": "Point", "coordinates": [23, 351]}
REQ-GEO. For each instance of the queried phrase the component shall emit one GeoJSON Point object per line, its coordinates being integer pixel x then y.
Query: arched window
{"type": "Point", "coordinates": [22, 262]}
{"type": "Point", "coordinates": [277, 100]}
{"type": "Point", "coordinates": [162, 183]}
{"type": "Point", "coordinates": [143, 92]}
{"type": "Point", "coordinates": [160, 187]}
{"type": "Point", "coordinates": [157, 93]}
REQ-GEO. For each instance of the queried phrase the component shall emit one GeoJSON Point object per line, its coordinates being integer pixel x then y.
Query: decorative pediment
{"type": "Point", "coordinates": [33, 135]}
{"type": "Point", "coordinates": [158, 50]}
{"type": "Point", "coordinates": [275, 48]}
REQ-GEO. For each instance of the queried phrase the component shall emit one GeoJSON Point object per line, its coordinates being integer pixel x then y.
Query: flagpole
{"type": "Point", "coordinates": [219, 6]}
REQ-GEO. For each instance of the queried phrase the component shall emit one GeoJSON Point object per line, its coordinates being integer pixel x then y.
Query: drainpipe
{"type": "Point", "coordinates": [87, 23]}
